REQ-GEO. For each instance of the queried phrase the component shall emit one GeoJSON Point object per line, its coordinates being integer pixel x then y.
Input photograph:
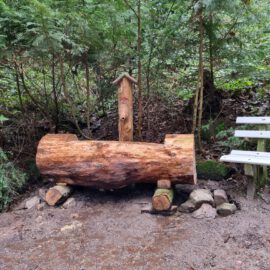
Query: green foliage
{"type": "Point", "coordinates": [239, 84]}
{"type": "Point", "coordinates": [38, 38]}
{"type": "Point", "coordinates": [211, 129]}
{"type": "Point", "coordinates": [3, 118]}
{"type": "Point", "coordinates": [11, 180]}
{"type": "Point", "coordinates": [227, 139]}
{"type": "Point", "coordinates": [213, 170]}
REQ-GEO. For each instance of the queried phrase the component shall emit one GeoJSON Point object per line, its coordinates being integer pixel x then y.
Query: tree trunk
{"type": "Point", "coordinates": [211, 57]}
{"type": "Point", "coordinates": [112, 164]}
{"type": "Point", "coordinates": [195, 106]}
{"type": "Point", "coordinates": [148, 70]}
{"type": "Point", "coordinates": [201, 82]}
{"type": "Point", "coordinates": [68, 99]}
{"type": "Point", "coordinates": [88, 110]}
{"type": "Point", "coordinates": [55, 98]}
{"type": "Point", "coordinates": [18, 85]}
{"type": "Point", "coordinates": [139, 49]}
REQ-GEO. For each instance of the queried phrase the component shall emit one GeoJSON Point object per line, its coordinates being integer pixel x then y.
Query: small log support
{"type": "Point", "coordinates": [57, 194]}
{"type": "Point", "coordinates": [162, 199]}
{"type": "Point", "coordinates": [164, 184]}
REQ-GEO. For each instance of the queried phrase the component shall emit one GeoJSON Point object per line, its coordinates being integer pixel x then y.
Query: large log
{"type": "Point", "coordinates": [112, 164]}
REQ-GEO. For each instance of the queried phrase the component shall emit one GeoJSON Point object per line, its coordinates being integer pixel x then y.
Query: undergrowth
{"type": "Point", "coordinates": [12, 180]}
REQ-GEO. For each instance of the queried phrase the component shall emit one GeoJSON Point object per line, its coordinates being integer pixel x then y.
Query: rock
{"type": "Point", "coordinates": [39, 219]}
{"type": "Point", "coordinates": [20, 206]}
{"type": "Point", "coordinates": [31, 203]}
{"type": "Point", "coordinates": [74, 215]}
{"type": "Point", "coordinates": [200, 196]}
{"type": "Point", "coordinates": [220, 197]}
{"type": "Point", "coordinates": [41, 206]}
{"type": "Point", "coordinates": [184, 188]}
{"type": "Point", "coordinates": [73, 226]}
{"type": "Point", "coordinates": [205, 211]}
{"type": "Point", "coordinates": [208, 184]}
{"type": "Point", "coordinates": [265, 196]}
{"type": "Point", "coordinates": [42, 194]}
{"type": "Point", "coordinates": [187, 207]}
{"type": "Point", "coordinates": [226, 209]}
{"type": "Point", "coordinates": [69, 203]}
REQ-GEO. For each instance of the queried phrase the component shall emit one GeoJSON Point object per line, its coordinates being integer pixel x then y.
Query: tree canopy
{"type": "Point", "coordinates": [60, 57]}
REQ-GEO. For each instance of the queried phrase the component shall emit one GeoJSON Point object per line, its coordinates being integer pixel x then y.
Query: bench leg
{"type": "Point", "coordinates": [251, 172]}
{"type": "Point", "coordinates": [262, 176]}
{"type": "Point", "coordinates": [251, 187]}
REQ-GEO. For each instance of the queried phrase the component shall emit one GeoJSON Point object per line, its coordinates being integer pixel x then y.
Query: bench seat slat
{"type": "Point", "coordinates": [246, 159]}
{"type": "Point", "coordinates": [252, 134]}
{"type": "Point", "coordinates": [253, 120]}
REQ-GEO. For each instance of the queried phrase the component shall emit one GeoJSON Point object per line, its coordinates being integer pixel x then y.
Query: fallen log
{"type": "Point", "coordinates": [112, 164]}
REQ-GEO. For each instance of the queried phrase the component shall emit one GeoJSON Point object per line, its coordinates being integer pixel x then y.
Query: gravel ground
{"type": "Point", "coordinates": [108, 231]}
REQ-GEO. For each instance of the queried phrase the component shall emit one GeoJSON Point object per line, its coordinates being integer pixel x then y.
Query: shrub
{"type": "Point", "coordinates": [211, 169]}
{"type": "Point", "coordinates": [11, 180]}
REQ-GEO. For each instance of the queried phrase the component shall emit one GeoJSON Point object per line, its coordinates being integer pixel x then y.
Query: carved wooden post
{"type": "Point", "coordinates": [125, 106]}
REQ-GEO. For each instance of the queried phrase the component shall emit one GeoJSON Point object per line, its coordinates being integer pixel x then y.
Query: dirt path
{"type": "Point", "coordinates": [107, 231]}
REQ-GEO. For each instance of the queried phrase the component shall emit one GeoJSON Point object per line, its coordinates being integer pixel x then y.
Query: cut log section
{"type": "Point", "coordinates": [162, 199]}
{"type": "Point", "coordinates": [125, 106]}
{"type": "Point", "coordinates": [112, 164]}
{"type": "Point", "coordinates": [57, 195]}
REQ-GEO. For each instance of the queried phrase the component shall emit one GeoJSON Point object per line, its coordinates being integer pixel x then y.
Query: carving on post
{"type": "Point", "coordinates": [125, 106]}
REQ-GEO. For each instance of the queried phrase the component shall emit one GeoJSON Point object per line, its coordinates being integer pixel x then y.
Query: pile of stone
{"type": "Point", "coordinates": [54, 196]}
{"type": "Point", "coordinates": [202, 203]}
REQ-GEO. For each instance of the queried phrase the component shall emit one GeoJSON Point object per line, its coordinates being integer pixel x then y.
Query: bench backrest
{"type": "Point", "coordinates": [262, 123]}
{"type": "Point", "coordinates": [253, 120]}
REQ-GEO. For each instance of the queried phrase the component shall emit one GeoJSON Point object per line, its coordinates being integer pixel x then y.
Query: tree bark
{"type": "Point", "coordinates": [112, 164]}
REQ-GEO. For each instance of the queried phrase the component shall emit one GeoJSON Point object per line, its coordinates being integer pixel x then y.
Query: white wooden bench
{"type": "Point", "coordinates": [256, 162]}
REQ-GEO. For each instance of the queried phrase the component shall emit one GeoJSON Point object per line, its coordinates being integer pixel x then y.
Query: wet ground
{"type": "Point", "coordinates": [108, 231]}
